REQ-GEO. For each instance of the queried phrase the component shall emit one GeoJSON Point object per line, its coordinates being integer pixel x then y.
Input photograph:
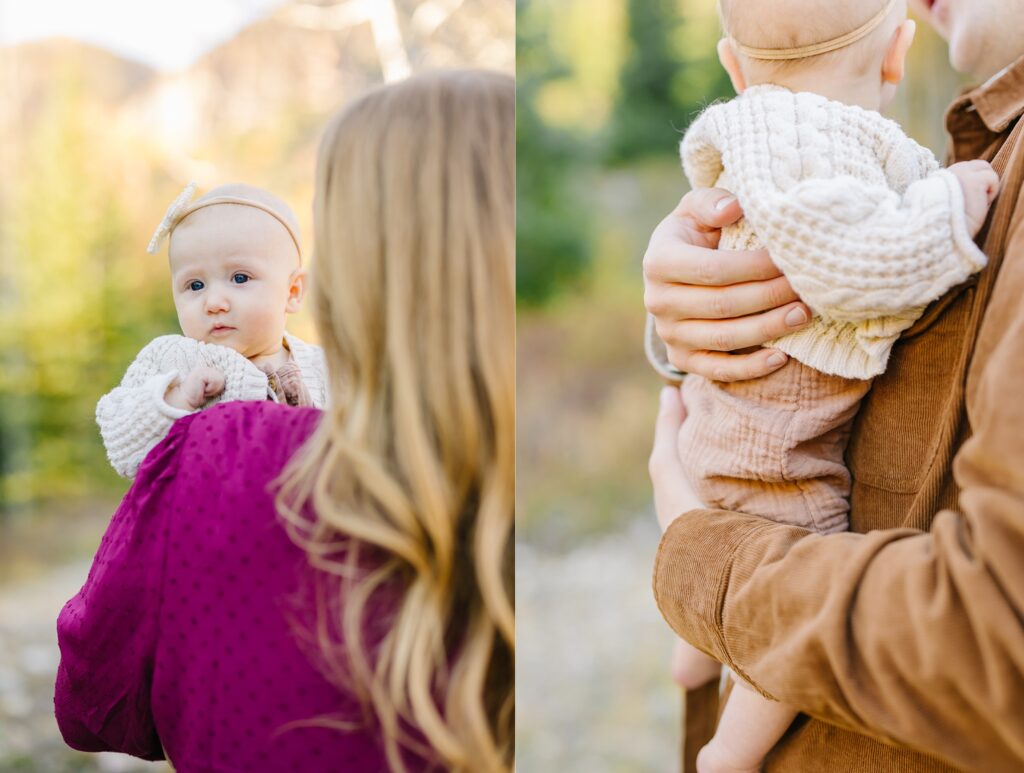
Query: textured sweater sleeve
{"type": "Point", "coordinates": [855, 248]}
{"type": "Point", "coordinates": [856, 251]}
{"type": "Point", "coordinates": [134, 416]}
{"type": "Point", "coordinates": [902, 635]}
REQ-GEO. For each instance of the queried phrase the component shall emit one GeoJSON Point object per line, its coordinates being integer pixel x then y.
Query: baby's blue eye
{"type": "Point", "coordinates": [195, 285]}
{"type": "Point", "coordinates": [239, 279]}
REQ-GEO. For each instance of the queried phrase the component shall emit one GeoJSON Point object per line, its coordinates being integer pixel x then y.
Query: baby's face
{"type": "Point", "coordinates": [234, 272]}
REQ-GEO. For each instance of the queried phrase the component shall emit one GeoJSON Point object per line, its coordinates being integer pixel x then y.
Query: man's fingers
{"type": "Point", "coordinates": [727, 335]}
{"type": "Point", "coordinates": [671, 413]}
{"type": "Point", "coordinates": [737, 300]}
{"type": "Point", "coordinates": [723, 366]}
{"type": "Point", "coordinates": [709, 209]}
{"type": "Point", "coordinates": [683, 248]}
{"type": "Point", "coordinates": [681, 263]}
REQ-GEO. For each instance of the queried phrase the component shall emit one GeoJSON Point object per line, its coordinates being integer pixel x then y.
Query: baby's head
{"type": "Point", "coordinates": [236, 269]}
{"type": "Point", "coordinates": [845, 49]}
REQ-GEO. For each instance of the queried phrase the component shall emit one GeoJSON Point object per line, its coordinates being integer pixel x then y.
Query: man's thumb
{"type": "Point", "coordinates": [671, 413]}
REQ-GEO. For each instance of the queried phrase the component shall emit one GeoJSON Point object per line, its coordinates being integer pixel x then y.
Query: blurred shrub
{"type": "Point", "coordinates": [70, 318]}
{"type": "Point", "coordinates": [551, 227]}
{"type": "Point", "coordinates": [668, 70]}
{"type": "Point", "coordinates": [671, 70]}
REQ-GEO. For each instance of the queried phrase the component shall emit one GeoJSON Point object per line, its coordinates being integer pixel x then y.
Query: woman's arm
{"type": "Point", "coordinates": [107, 633]}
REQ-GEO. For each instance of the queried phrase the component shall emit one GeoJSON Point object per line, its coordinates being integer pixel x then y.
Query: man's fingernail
{"type": "Point", "coordinates": [796, 316]}
{"type": "Point", "coordinates": [775, 359]}
{"type": "Point", "coordinates": [724, 202]}
{"type": "Point", "coordinates": [666, 395]}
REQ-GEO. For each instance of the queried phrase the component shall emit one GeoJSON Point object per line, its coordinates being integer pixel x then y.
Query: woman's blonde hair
{"type": "Point", "coordinates": [404, 493]}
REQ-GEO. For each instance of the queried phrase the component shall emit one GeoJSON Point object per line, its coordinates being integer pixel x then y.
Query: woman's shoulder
{"type": "Point", "coordinates": [242, 439]}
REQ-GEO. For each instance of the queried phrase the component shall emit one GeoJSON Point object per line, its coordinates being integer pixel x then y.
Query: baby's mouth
{"type": "Point", "coordinates": [220, 329]}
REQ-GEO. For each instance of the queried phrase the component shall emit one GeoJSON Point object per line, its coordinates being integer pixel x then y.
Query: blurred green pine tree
{"type": "Point", "coordinates": [552, 232]}
{"type": "Point", "coordinates": [71, 315]}
{"type": "Point", "coordinates": [671, 70]}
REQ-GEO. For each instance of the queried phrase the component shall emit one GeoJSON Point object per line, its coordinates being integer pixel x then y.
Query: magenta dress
{"type": "Point", "coordinates": [191, 630]}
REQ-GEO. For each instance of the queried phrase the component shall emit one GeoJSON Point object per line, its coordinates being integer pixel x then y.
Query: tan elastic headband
{"type": "Point", "coordinates": [182, 208]}
{"type": "Point", "coordinates": [802, 52]}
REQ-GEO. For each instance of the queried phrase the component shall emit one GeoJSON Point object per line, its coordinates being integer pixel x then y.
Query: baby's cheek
{"type": "Point", "coordinates": [190, 323]}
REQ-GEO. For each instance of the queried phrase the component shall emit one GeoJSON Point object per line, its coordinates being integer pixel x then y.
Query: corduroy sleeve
{"type": "Point", "coordinates": [907, 636]}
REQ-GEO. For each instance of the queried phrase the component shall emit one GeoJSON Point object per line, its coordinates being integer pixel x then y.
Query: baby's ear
{"type": "Point", "coordinates": [296, 290]}
{"type": "Point", "coordinates": [731, 63]}
{"type": "Point", "coordinates": [894, 64]}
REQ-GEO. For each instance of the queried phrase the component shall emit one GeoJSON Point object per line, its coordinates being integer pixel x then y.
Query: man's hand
{"type": "Point", "coordinates": [673, 494]}
{"type": "Point", "coordinates": [196, 388]}
{"type": "Point", "coordinates": [709, 302]}
{"type": "Point", "coordinates": [980, 184]}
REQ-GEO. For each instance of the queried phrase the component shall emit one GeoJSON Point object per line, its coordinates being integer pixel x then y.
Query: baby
{"type": "Point", "coordinates": [868, 230]}
{"type": "Point", "coordinates": [236, 273]}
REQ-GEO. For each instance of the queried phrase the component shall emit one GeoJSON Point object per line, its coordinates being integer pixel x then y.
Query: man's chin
{"type": "Point", "coordinates": [960, 61]}
{"type": "Point", "coordinates": [967, 60]}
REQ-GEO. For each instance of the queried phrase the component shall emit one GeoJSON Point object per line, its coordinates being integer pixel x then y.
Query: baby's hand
{"type": "Point", "coordinates": [980, 183]}
{"type": "Point", "coordinates": [197, 387]}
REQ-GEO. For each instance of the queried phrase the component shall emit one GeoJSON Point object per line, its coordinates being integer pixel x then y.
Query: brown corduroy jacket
{"type": "Point", "coordinates": [901, 641]}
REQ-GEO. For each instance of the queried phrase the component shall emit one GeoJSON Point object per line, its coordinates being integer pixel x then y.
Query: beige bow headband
{"type": "Point", "coordinates": [182, 207]}
{"type": "Point", "coordinates": [802, 52]}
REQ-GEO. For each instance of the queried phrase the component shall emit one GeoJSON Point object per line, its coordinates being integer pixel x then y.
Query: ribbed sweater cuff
{"type": "Point", "coordinates": [838, 355]}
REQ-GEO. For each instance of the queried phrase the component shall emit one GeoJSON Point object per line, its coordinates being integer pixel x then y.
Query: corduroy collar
{"type": "Point", "coordinates": [1001, 99]}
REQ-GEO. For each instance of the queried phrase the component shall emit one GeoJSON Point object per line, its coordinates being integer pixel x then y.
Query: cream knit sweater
{"type": "Point", "coordinates": [859, 217]}
{"type": "Point", "coordinates": [134, 416]}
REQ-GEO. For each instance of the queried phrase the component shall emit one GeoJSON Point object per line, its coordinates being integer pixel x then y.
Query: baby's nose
{"type": "Point", "coordinates": [216, 302]}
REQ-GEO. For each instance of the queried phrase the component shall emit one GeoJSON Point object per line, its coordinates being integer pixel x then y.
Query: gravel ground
{"type": "Point", "coordinates": [592, 686]}
{"type": "Point", "coordinates": [29, 739]}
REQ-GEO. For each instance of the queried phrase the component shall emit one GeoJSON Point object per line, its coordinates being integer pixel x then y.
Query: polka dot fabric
{"type": "Point", "coordinates": [184, 634]}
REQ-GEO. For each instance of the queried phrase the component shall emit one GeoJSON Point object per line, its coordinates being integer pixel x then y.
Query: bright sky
{"type": "Point", "coordinates": [166, 34]}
